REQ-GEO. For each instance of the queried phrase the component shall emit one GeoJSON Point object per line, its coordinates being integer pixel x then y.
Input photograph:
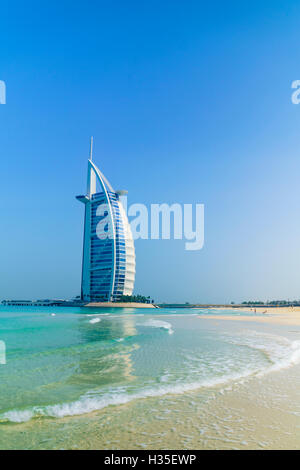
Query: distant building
{"type": "Point", "coordinates": [108, 265]}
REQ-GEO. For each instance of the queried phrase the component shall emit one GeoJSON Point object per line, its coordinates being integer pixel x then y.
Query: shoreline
{"type": "Point", "coordinates": [272, 315]}
{"type": "Point", "coordinates": [240, 406]}
{"type": "Point", "coordinates": [251, 407]}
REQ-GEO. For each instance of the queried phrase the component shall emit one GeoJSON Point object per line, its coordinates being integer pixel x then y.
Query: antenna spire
{"type": "Point", "coordinates": [91, 149]}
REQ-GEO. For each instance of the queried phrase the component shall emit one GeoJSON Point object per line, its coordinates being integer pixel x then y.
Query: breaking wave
{"type": "Point", "coordinates": [159, 324]}
{"type": "Point", "coordinates": [91, 402]}
{"type": "Point", "coordinates": [279, 351]}
{"type": "Point", "coordinates": [95, 320]}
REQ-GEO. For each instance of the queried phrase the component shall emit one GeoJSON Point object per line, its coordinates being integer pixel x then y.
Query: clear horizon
{"type": "Point", "coordinates": [187, 104]}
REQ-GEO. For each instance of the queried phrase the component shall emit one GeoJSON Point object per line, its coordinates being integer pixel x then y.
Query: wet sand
{"type": "Point", "coordinates": [259, 413]}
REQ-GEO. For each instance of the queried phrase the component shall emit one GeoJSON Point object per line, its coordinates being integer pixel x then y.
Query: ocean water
{"type": "Point", "coordinates": [70, 362]}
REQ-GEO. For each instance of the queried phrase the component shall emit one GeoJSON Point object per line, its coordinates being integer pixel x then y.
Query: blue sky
{"type": "Point", "coordinates": [188, 102]}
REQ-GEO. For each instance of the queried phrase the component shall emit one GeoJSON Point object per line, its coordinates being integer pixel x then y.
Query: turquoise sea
{"type": "Point", "coordinates": [69, 362]}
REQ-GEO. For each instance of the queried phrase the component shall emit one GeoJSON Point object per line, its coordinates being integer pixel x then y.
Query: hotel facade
{"type": "Point", "coordinates": [108, 264]}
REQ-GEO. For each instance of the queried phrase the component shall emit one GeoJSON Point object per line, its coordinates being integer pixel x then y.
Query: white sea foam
{"type": "Point", "coordinates": [287, 361]}
{"type": "Point", "coordinates": [159, 324]}
{"type": "Point", "coordinates": [95, 320]}
{"type": "Point", "coordinates": [280, 352]}
{"type": "Point", "coordinates": [18, 416]}
{"type": "Point", "coordinates": [91, 402]}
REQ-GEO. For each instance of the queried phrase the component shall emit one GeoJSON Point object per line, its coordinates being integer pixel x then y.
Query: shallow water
{"type": "Point", "coordinates": [80, 361]}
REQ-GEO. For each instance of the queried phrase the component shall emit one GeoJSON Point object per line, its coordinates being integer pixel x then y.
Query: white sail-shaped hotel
{"type": "Point", "coordinates": [108, 265]}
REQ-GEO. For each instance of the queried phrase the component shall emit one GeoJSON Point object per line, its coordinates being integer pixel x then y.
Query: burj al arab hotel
{"type": "Point", "coordinates": [108, 264]}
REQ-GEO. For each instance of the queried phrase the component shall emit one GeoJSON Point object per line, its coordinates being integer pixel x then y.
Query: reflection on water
{"type": "Point", "coordinates": [110, 361]}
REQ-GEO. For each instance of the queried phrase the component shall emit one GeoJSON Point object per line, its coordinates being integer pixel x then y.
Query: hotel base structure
{"type": "Point", "coordinates": [108, 264]}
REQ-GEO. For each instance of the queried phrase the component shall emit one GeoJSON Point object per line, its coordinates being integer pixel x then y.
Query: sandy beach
{"type": "Point", "coordinates": [257, 414]}
{"type": "Point", "coordinates": [274, 315]}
